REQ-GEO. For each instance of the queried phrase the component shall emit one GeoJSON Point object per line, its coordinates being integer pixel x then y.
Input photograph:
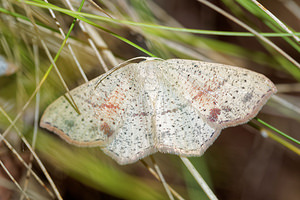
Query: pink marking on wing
{"type": "Point", "coordinates": [109, 110]}
{"type": "Point", "coordinates": [206, 95]}
{"type": "Point", "coordinates": [213, 114]}
{"type": "Point", "coordinates": [111, 105]}
{"type": "Point", "coordinates": [106, 129]}
{"type": "Point", "coordinates": [198, 95]}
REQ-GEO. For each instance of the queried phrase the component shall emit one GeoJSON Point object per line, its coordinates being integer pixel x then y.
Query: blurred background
{"type": "Point", "coordinates": [241, 164]}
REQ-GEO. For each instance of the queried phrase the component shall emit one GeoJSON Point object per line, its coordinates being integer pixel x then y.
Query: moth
{"type": "Point", "coordinates": [172, 106]}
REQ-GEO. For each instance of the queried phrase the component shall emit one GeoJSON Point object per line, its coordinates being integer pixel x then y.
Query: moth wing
{"type": "Point", "coordinates": [180, 128]}
{"type": "Point", "coordinates": [225, 95]}
{"type": "Point", "coordinates": [101, 105]}
{"type": "Point", "coordinates": [80, 129]}
{"type": "Point", "coordinates": [135, 138]}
